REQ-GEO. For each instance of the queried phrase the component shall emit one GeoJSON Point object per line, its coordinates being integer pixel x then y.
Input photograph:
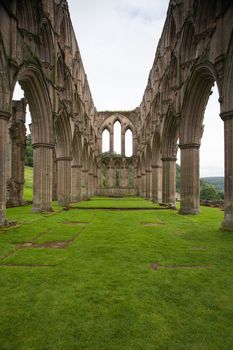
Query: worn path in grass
{"type": "Point", "coordinates": [116, 280]}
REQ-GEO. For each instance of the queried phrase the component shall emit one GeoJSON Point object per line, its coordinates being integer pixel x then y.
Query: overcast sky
{"type": "Point", "coordinates": [118, 40]}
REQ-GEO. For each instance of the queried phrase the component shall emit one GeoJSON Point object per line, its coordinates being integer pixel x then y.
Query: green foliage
{"type": "Point", "coordinates": [29, 151]}
{"type": "Point", "coordinates": [211, 188]}
{"type": "Point", "coordinates": [106, 154]}
{"type": "Point", "coordinates": [217, 181]}
{"type": "Point", "coordinates": [101, 292]}
{"type": "Point", "coordinates": [209, 192]}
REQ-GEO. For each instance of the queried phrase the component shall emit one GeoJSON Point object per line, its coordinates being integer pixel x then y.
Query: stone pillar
{"type": "Point", "coordinates": [42, 176]}
{"type": "Point", "coordinates": [227, 117]}
{"type": "Point", "coordinates": [64, 181]}
{"type": "Point", "coordinates": [134, 145]}
{"type": "Point", "coordinates": [143, 193]}
{"type": "Point", "coordinates": [76, 183]}
{"type": "Point", "coordinates": [189, 179]}
{"type": "Point", "coordinates": [124, 177]}
{"type": "Point", "coordinates": [84, 185]}
{"type": "Point", "coordinates": [111, 142]}
{"type": "Point", "coordinates": [95, 185]}
{"type": "Point", "coordinates": [156, 183]}
{"type": "Point", "coordinates": [169, 181]}
{"type": "Point", "coordinates": [99, 178]}
{"type": "Point", "coordinates": [17, 132]}
{"type": "Point", "coordinates": [148, 183]}
{"type": "Point", "coordinates": [55, 177]}
{"type": "Point", "coordinates": [123, 144]}
{"type": "Point", "coordinates": [90, 184]}
{"type": "Point", "coordinates": [4, 117]}
{"type": "Point", "coordinates": [139, 185]}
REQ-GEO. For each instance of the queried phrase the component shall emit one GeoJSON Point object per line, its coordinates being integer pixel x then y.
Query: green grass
{"type": "Point", "coordinates": [101, 293]}
{"type": "Point", "coordinates": [28, 183]}
{"type": "Point", "coordinates": [125, 202]}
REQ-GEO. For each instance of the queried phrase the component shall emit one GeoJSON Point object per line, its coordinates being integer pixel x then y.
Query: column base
{"type": "Point", "coordinates": [188, 211]}
{"type": "Point", "coordinates": [42, 210]}
{"type": "Point", "coordinates": [4, 223]}
{"type": "Point", "coordinates": [227, 226]}
{"type": "Point", "coordinates": [168, 205]}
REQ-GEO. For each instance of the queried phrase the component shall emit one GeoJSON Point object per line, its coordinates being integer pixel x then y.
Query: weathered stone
{"type": "Point", "coordinates": [42, 55]}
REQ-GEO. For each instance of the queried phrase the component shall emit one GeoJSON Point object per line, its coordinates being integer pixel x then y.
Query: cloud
{"type": "Point", "coordinates": [118, 40]}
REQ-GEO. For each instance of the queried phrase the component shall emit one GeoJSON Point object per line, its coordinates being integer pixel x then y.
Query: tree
{"type": "Point", "coordinates": [209, 192]}
{"type": "Point", "coordinates": [29, 151]}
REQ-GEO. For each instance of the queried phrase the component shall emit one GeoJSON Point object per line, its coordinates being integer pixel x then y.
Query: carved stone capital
{"type": "Point", "coordinates": [169, 159]}
{"type": "Point", "coordinates": [5, 115]}
{"type": "Point", "coordinates": [76, 166]}
{"type": "Point", "coordinates": [42, 145]}
{"type": "Point", "coordinates": [66, 159]}
{"type": "Point", "coordinates": [189, 145]}
{"type": "Point", "coordinates": [156, 166]}
{"type": "Point", "coordinates": [226, 115]}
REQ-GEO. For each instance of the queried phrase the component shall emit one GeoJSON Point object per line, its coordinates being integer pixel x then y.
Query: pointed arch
{"type": "Point", "coordinates": [63, 135]}
{"type": "Point", "coordinates": [129, 142]}
{"type": "Point", "coordinates": [105, 140]}
{"type": "Point", "coordinates": [170, 135]}
{"type": "Point", "coordinates": [76, 149]}
{"type": "Point", "coordinates": [196, 96]}
{"type": "Point", "coordinates": [32, 80]}
{"type": "Point", "coordinates": [117, 137]}
{"type": "Point", "coordinates": [46, 50]}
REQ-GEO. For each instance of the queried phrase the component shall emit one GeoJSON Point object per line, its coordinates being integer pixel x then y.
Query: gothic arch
{"type": "Point", "coordinates": [46, 47]}
{"type": "Point", "coordinates": [170, 135]}
{"type": "Point", "coordinates": [195, 100]}
{"type": "Point", "coordinates": [33, 83]}
{"type": "Point", "coordinates": [156, 149]}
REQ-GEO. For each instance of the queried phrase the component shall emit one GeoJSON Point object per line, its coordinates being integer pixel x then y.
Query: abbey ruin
{"type": "Point", "coordinates": [38, 49]}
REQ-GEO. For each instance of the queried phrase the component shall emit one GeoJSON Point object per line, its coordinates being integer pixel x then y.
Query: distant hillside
{"type": "Point", "coordinates": [211, 188]}
{"type": "Point", "coordinates": [217, 182]}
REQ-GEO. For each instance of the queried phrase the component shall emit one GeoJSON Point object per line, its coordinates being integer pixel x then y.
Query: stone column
{"type": "Point", "coordinates": [156, 183]}
{"type": "Point", "coordinates": [227, 117]}
{"type": "Point", "coordinates": [90, 184]}
{"type": "Point", "coordinates": [148, 183]}
{"type": "Point", "coordinates": [169, 181]}
{"type": "Point", "coordinates": [134, 145]}
{"type": "Point", "coordinates": [76, 183]}
{"type": "Point", "coordinates": [17, 132]}
{"type": "Point", "coordinates": [143, 194]}
{"type": "Point", "coordinates": [4, 117]}
{"type": "Point", "coordinates": [189, 179]}
{"type": "Point", "coordinates": [123, 144]}
{"type": "Point", "coordinates": [95, 185]}
{"type": "Point", "coordinates": [55, 177]}
{"type": "Point", "coordinates": [42, 176]}
{"type": "Point", "coordinates": [84, 185]}
{"type": "Point", "coordinates": [139, 185]}
{"type": "Point", "coordinates": [64, 181]}
{"type": "Point", "coordinates": [111, 142]}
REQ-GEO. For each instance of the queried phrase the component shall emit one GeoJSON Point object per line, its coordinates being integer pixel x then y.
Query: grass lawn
{"type": "Point", "coordinates": [28, 183]}
{"type": "Point", "coordinates": [107, 280]}
{"type": "Point", "coordinates": [125, 202]}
